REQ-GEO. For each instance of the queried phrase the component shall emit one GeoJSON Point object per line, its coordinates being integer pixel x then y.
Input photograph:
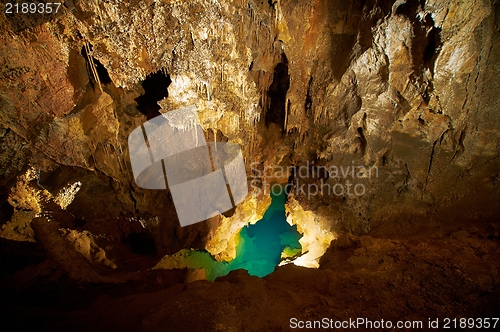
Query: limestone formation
{"type": "Point", "coordinates": [382, 116]}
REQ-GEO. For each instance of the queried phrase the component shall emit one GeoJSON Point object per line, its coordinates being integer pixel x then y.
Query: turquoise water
{"type": "Point", "coordinates": [260, 247]}
{"type": "Point", "coordinates": [259, 250]}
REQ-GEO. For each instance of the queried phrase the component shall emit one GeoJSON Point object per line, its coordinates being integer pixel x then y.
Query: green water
{"type": "Point", "coordinates": [259, 249]}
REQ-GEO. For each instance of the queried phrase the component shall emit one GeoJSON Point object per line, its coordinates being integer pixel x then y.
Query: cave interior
{"type": "Point", "coordinates": [368, 141]}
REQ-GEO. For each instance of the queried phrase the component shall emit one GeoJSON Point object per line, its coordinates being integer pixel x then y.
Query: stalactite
{"type": "Point", "coordinates": [119, 165]}
{"type": "Point", "coordinates": [287, 106]}
{"type": "Point", "coordinates": [215, 138]}
{"type": "Point", "coordinates": [241, 28]}
{"type": "Point", "coordinates": [92, 65]}
{"type": "Point", "coordinates": [276, 15]}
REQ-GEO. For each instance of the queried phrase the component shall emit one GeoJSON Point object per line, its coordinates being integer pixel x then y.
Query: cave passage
{"type": "Point", "coordinates": [155, 89]}
{"type": "Point", "coordinates": [101, 71]}
{"type": "Point", "coordinates": [260, 249]}
{"type": "Point", "coordinates": [277, 94]}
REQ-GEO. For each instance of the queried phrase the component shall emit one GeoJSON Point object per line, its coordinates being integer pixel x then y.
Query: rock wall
{"type": "Point", "coordinates": [407, 87]}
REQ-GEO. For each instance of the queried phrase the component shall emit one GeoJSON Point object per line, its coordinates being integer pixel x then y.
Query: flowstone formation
{"type": "Point", "coordinates": [380, 116]}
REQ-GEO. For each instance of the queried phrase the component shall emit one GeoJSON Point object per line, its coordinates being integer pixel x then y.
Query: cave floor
{"type": "Point", "coordinates": [452, 272]}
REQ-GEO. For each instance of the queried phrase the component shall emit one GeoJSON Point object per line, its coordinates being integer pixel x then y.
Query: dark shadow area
{"type": "Point", "coordinates": [95, 187]}
{"type": "Point", "coordinates": [6, 210]}
{"type": "Point", "coordinates": [308, 103]}
{"type": "Point", "coordinates": [341, 48]}
{"type": "Point", "coordinates": [277, 94]}
{"type": "Point", "coordinates": [57, 293]}
{"type": "Point", "coordinates": [427, 37]}
{"type": "Point", "coordinates": [140, 243]}
{"type": "Point", "coordinates": [102, 73]}
{"type": "Point", "coordinates": [16, 255]}
{"type": "Point", "coordinates": [367, 21]}
{"type": "Point", "coordinates": [362, 140]}
{"type": "Point", "coordinates": [432, 49]}
{"type": "Point", "coordinates": [155, 89]}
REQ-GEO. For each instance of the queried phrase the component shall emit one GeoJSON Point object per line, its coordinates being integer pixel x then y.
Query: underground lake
{"type": "Point", "coordinates": [261, 246]}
